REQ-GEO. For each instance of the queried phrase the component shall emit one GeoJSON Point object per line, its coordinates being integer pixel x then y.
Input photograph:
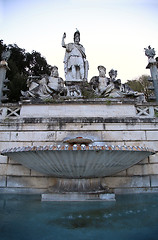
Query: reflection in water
{"type": "Point", "coordinates": [130, 217]}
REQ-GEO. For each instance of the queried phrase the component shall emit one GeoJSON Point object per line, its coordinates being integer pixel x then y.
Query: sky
{"type": "Point", "coordinates": [114, 33]}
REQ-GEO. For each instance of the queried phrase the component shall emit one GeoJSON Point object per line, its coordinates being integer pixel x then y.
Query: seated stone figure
{"type": "Point", "coordinates": [44, 88]}
{"type": "Point", "coordinates": [55, 83]}
{"type": "Point", "coordinates": [103, 81]}
{"type": "Point", "coordinates": [37, 88]}
{"type": "Point", "coordinates": [75, 63]}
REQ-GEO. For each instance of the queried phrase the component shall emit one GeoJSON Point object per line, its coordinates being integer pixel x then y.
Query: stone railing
{"type": "Point", "coordinates": [10, 112]}
{"type": "Point", "coordinates": [149, 111]}
{"type": "Point", "coordinates": [143, 111]}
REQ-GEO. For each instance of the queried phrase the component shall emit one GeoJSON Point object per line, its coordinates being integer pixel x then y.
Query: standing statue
{"type": "Point", "coordinates": [75, 63]}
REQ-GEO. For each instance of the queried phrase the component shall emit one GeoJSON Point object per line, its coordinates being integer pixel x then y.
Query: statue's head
{"type": "Point", "coordinates": [102, 71]}
{"type": "Point", "coordinates": [113, 73]}
{"type": "Point", "coordinates": [77, 36]}
{"type": "Point", "coordinates": [54, 72]}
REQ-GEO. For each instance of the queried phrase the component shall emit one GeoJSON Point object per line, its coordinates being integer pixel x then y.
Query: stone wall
{"type": "Point", "coordinates": [116, 124]}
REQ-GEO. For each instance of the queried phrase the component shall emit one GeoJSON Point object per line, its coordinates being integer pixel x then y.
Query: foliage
{"type": "Point", "coordinates": [2, 47]}
{"type": "Point", "coordinates": [141, 85]}
{"type": "Point", "coordinates": [22, 64]}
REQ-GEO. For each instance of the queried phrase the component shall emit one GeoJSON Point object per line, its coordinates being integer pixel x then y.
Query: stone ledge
{"type": "Point", "coordinates": [7, 190]}
{"type": "Point", "coordinates": [58, 120]}
{"type": "Point", "coordinates": [135, 190]}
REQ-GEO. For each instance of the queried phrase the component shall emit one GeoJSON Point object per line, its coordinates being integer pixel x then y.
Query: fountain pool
{"type": "Point", "coordinates": [130, 217]}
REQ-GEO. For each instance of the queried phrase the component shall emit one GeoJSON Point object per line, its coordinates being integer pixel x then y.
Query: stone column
{"type": "Point", "coordinates": [154, 75]}
{"type": "Point", "coordinates": [152, 65]}
{"type": "Point", "coordinates": [3, 70]}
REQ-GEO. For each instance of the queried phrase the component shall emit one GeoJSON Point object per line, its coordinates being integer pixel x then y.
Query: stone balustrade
{"type": "Point", "coordinates": [147, 110]}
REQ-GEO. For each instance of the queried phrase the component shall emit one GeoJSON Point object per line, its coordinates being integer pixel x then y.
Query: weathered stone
{"type": "Point", "coordinates": [5, 136]}
{"type": "Point", "coordinates": [94, 135]}
{"type": "Point", "coordinates": [154, 181]}
{"type": "Point", "coordinates": [130, 182]}
{"type": "Point", "coordinates": [5, 145]}
{"type": "Point", "coordinates": [2, 181]}
{"type": "Point", "coordinates": [144, 161]}
{"type": "Point", "coordinates": [36, 174]}
{"type": "Point", "coordinates": [78, 110]}
{"type": "Point", "coordinates": [148, 144]}
{"type": "Point", "coordinates": [30, 182]}
{"type": "Point", "coordinates": [34, 136]}
{"type": "Point", "coordinates": [122, 173]}
{"type": "Point", "coordinates": [3, 159]}
{"type": "Point", "coordinates": [123, 135]}
{"type": "Point", "coordinates": [130, 126]}
{"type": "Point", "coordinates": [12, 190]}
{"type": "Point", "coordinates": [136, 190]}
{"type": "Point", "coordinates": [75, 63]}
{"type": "Point", "coordinates": [153, 158]}
{"type": "Point", "coordinates": [65, 120]}
{"type": "Point", "coordinates": [152, 135]}
{"type": "Point", "coordinates": [17, 170]}
{"type": "Point", "coordinates": [3, 169]}
{"type": "Point", "coordinates": [146, 169]}
{"type": "Point", "coordinates": [12, 162]}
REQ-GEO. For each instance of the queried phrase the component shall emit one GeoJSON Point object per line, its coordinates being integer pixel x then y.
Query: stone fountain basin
{"type": "Point", "coordinates": [78, 161]}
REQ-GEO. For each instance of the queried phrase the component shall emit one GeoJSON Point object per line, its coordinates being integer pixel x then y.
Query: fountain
{"type": "Point", "coordinates": [78, 164]}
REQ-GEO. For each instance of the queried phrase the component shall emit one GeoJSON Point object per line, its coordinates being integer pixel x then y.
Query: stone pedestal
{"type": "Point", "coordinates": [78, 190]}
{"type": "Point", "coordinates": [75, 196]}
{"type": "Point", "coordinates": [3, 70]}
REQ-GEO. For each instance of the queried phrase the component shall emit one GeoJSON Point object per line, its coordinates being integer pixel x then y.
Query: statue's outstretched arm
{"type": "Point", "coordinates": [63, 40]}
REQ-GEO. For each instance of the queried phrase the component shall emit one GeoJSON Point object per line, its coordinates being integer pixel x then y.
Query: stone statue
{"type": "Point", "coordinates": [113, 74]}
{"type": "Point", "coordinates": [37, 88]}
{"type": "Point", "coordinates": [149, 52]}
{"type": "Point", "coordinates": [46, 87]}
{"type": "Point", "coordinates": [55, 83]}
{"type": "Point", "coordinates": [103, 81]}
{"type": "Point", "coordinates": [102, 71]}
{"type": "Point", "coordinates": [75, 63]}
{"type": "Point", "coordinates": [5, 55]}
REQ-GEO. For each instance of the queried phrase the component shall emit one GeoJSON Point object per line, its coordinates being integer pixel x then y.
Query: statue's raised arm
{"type": "Point", "coordinates": [63, 40]}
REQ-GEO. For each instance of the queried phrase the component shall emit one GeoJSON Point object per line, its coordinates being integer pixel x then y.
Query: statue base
{"type": "Point", "coordinates": [73, 82]}
{"type": "Point", "coordinates": [76, 196]}
{"type": "Point", "coordinates": [78, 190]}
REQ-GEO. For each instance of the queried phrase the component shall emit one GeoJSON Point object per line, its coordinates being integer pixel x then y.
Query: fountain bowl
{"type": "Point", "coordinates": [78, 161]}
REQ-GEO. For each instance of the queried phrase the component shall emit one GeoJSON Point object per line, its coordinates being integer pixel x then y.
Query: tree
{"type": "Point", "coordinates": [36, 64]}
{"type": "Point", "coordinates": [23, 64]}
{"type": "Point", "coordinates": [2, 46]}
{"type": "Point", "coordinates": [141, 85]}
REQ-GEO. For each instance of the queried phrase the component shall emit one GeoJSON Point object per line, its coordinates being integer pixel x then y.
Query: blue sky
{"type": "Point", "coordinates": [113, 32]}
